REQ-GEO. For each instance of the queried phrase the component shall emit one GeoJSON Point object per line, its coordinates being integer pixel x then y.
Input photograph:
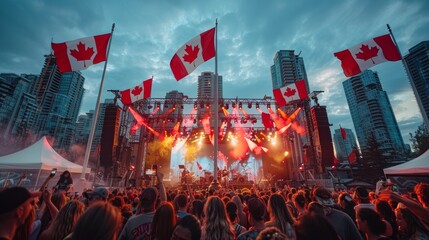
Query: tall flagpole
{"type": "Point", "coordinates": [413, 86]}
{"type": "Point", "coordinates": [215, 111]}
{"type": "Point", "coordinates": [97, 109]}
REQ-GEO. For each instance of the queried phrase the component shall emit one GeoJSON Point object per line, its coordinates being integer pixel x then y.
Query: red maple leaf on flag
{"type": "Point", "coordinates": [137, 90]}
{"type": "Point", "coordinates": [82, 54]}
{"type": "Point", "coordinates": [289, 92]}
{"type": "Point", "coordinates": [191, 54]}
{"type": "Point", "coordinates": [367, 53]}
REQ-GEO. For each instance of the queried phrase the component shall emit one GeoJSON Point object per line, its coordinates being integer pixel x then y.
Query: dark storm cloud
{"type": "Point", "coordinates": [148, 33]}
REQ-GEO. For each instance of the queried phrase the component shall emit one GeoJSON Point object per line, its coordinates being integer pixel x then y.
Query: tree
{"type": "Point", "coordinates": [420, 140]}
{"type": "Point", "coordinates": [373, 160]}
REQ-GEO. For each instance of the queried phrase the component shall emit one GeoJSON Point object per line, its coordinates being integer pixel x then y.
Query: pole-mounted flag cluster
{"type": "Point", "coordinates": [368, 54]}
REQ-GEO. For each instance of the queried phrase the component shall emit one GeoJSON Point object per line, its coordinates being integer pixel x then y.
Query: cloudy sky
{"type": "Point", "coordinates": [250, 32]}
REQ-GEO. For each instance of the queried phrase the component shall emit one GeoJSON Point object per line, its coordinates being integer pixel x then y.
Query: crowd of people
{"type": "Point", "coordinates": [185, 213]}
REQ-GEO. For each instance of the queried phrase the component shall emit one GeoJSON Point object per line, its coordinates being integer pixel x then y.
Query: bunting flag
{"type": "Point", "coordinates": [199, 166]}
{"type": "Point", "coordinates": [352, 157]}
{"type": "Point", "coordinates": [343, 133]}
{"type": "Point", "coordinates": [81, 53]}
{"type": "Point", "coordinates": [195, 52]}
{"type": "Point", "coordinates": [267, 121]}
{"type": "Point", "coordinates": [291, 92]}
{"type": "Point", "coordinates": [139, 92]}
{"type": "Point", "coordinates": [368, 54]}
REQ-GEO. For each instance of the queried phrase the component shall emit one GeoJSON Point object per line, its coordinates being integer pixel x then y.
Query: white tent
{"type": "Point", "coordinates": [417, 166]}
{"type": "Point", "coordinates": [39, 156]}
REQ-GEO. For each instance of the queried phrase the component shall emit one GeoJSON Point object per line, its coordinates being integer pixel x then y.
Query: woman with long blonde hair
{"type": "Point", "coordinates": [280, 216]}
{"type": "Point", "coordinates": [65, 221]}
{"type": "Point", "coordinates": [216, 223]}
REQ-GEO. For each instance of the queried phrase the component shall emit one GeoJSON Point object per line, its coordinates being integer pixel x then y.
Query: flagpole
{"type": "Point", "coordinates": [215, 111]}
{"type": "Point", "coordinates": [413, 86]}
{"type": "Point", "coordinates": [97, 109]}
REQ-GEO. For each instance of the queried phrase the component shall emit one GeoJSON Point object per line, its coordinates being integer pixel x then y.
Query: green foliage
{"type": "Point", "coordinates": [420, 139]}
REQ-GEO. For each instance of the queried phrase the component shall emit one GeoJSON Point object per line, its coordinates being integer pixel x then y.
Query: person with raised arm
{"type": "Point", "coordinates": [421, 209]}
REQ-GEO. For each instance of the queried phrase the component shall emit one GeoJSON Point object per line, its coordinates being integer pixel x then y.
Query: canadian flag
{"type": "Point", "coordinates": [343, 133]}
{"type": "Point", "coordinates": [139, 92]}
{"type": "Point", "coordinates": [81, 53]}
{"type": "Point", "coordinates": [196, 51]}
{"type": "Point", "coordinates": [199, 166]}
{"type": "Point", "coordinates": [352, 157]}
{"type": "Point", "coordinates": [291, 92]}
{"type": "Point", "coordinates": [266, 120]}
{"type": "Point", "coordinates": [368, 54]}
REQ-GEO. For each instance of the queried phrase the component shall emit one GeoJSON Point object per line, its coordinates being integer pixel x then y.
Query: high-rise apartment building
{"type": "Point", "coordinates": [59, 96]}
{"type": "Point", "coordinates": [288, 68]}
{"type": "Point", "coordinates": [205, 92]}
{"type": "Point", "coordinates": [174, 101]}
{"type": "Point", "coordinates": [344, 146]}
{"type": "Point", "coordinates": [18, 106]}
{"type": "Point", "coordinates": [372, 116]}
{"type": "Point", "coordinates": [417, 61]}
{"type": "Point", "coordinates": [84, 124]}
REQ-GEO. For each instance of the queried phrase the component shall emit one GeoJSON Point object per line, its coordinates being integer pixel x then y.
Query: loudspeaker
{"type": "Point", "coordinates": [322, 136]}
{"type": "Point", "coordinates": [109, 135]}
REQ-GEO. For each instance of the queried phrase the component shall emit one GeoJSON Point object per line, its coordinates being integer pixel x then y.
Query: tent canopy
{"type": "Point", "coordinates": [41, 156]}
{"type": "Point", "coordinates": [417, 166]}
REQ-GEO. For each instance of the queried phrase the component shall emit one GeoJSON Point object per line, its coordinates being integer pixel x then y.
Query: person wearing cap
{"type": "Point", "coordinates": [343, 224]}
{"type": "Point", "coordinates": [97, 195]}
{"type": "Point", "coordinates": [16, 205]}
{"type": "Point", "coordinates": [421, 208]}
{"type": "Point", "coordinates": [256, 217]}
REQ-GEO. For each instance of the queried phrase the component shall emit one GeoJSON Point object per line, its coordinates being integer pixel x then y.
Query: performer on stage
{"type": "Point", "coordinates": [225, 176]}
{"type": "Point", "coordinates": [185, 173]}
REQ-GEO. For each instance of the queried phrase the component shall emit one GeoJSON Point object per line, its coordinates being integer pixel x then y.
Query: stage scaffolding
{"type": "Point", "coordinates": [160, 121]}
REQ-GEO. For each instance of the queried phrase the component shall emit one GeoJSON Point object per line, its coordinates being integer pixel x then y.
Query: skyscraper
{"type": "Point", "coordinates": [18, 106]}
{"type": "Point", "coordinates": [343, 147]}
{"type": "Point", "coordinates": [372, 116]}
{"type": "Point", "coordinates": [84, 124]}
{"type": "Point", "coordinates": [288, 68]}
{"type": "Point", "coordinates": [174, 103]}
{"type": "Point", "coordinates": [205, 91]}
{"type": "Point", "coordinates": [317, 141]}
{"type": "Point", "coordinates": [417, 61]}
{"type": "Point", "coordinates": [59, 96]}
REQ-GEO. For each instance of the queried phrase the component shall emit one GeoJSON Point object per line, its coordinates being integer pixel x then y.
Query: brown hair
{"type": "Point", "coordinates": [216, 223]}
{"type": "Point", "coordinates": [100, 221]}
{"type": "Point", "coordinates": [163, 222]}
{"type": "Point", "coordinates": [279, 211]}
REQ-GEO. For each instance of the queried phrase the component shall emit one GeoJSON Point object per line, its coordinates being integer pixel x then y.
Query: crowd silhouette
{"type": "Point", "coordinates": [155, 212]}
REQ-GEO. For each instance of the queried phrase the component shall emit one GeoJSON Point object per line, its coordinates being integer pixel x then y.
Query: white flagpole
{"type": "Point", "coordinates": [413, 86]}
{"type": "Point", "coordinates": [97, 109]}
{"type": "Point", "coordinates": [215, 111]}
